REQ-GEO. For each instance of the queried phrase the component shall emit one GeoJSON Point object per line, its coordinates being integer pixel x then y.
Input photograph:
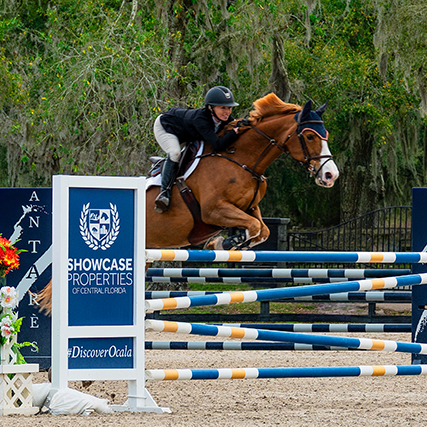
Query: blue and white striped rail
{"type": "Point", "coordinates": [253, 373]}
{"type": "Point", "coordinates": [240, 280]}
{"type": "Point", "coordinates": [325, 327]}
{"type": "Point", "coordinates": [302, 338]}
{"type": "Point", "coordinates": [316, 327]}
{"type": "Point", "coordinates": [281, 293]}
{"type": "Point", "coordinates": [235, 345]}
{"type": "Point", "coordinates": [319, 273]}
{"type": "Point", "coordinates": [284, 256]}
{"type": "Point", "coordinates": [371, 296]}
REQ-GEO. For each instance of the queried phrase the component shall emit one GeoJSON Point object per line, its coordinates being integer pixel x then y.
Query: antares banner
{"type": "Point", "coordinates": [26, 216]}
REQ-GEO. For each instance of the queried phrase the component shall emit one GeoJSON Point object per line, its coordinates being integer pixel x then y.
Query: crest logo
{"type": "Point", "coordinates": [99, 227]}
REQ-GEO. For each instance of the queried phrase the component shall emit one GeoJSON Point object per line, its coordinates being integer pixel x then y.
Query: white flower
{"type": "Point", "coordinates": [7, 290]}
{"type": "Point", "coordinates": [7, 321]}
{"type": "Point", "coordinates": [7, 331]}
{"type": "Point", "coordinates": [8, 297]}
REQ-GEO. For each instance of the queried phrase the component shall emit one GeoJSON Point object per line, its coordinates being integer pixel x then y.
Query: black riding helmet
{"type": "Point", "coordinates": [220, 95]}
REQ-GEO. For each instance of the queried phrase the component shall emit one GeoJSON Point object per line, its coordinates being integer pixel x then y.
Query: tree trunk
{"type": "Point", "coordinates": [361, 187]}
{"type": "Point", "coordinates": [279, 81]}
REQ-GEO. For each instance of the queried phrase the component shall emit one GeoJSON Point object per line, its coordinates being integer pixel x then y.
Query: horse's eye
{"type": "Point", "coordinates": [310, 137]}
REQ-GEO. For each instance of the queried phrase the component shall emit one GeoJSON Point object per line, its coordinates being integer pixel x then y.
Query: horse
{"type": "Point", "coordinates": [229, 185]}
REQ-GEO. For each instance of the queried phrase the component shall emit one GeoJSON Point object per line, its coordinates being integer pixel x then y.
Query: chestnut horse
{"type": "Point", "coordinates": [229, 185]}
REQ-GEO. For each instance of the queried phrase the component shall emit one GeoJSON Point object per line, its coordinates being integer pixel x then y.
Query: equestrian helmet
{"type": "Point", "coordinates": [220, 95]}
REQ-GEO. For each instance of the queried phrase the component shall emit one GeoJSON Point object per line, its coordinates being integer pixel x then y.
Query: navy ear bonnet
{"type": "Point", "coordinates": [308, 116]}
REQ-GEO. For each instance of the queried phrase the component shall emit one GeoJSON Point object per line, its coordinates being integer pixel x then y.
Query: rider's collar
{"type": "Point", "coordinates": [217, 123]}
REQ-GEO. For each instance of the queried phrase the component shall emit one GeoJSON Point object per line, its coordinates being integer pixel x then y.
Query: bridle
{"type": "Point", "coordinates": [306, 164]}
{"type": "Point", "coordinates": [307, 158]}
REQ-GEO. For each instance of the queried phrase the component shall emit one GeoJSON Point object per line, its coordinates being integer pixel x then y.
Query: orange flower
{"type": "Point", "coordinates": [9, 256]}
{"type": "Point", "coordinates": [11, 259]}
{"type": "Point", "coordinates": [4, 243]}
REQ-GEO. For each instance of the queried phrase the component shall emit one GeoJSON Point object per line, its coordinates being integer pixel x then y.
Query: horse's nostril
{"type": "Point", "coordinates": [328, 175]}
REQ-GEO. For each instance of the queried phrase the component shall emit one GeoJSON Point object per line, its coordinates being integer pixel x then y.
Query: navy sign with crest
{"type": "Point", "coordinates": [100, 261]}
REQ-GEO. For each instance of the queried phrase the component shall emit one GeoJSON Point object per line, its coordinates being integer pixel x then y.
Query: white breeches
{"type": "Point", "coordinates": [167, 141]}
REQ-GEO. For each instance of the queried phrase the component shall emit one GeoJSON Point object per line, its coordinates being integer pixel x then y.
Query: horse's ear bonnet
{"type": "Point", "coordinates": [308, 119]}
{"type": "Point", "coordinates": [322, 109]}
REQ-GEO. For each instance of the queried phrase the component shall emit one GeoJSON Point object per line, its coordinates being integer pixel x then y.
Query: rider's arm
{"type": "Point", "coordinates": [208, 135]}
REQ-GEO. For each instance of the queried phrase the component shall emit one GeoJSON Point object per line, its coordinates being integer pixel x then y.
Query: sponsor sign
{"type": "Point", "coordinates": [419, 293]}
{"type": "Point", "coordinates": [98, 263]}
{"type": "Point", "coordinates": [101, 257]}
{"type": "Point", "coordinates": [26, 215]}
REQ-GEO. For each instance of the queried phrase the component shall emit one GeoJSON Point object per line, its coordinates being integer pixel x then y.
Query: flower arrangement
{"type": "Point", "coordinates": [9, 256]}
{"type": "Point", "coordinates": [10, 324]}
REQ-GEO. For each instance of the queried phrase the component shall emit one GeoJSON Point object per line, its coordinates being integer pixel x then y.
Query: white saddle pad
{"type": "Point", "coordinates": [156, 181]}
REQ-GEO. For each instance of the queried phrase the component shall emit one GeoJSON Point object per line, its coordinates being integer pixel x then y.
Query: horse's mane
{"type": "Point", "coordinates": [271, 105]}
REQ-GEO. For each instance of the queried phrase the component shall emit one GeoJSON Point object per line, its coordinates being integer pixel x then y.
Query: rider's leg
{"type": "Point", "coordinates": [162, 201]}
{"type": "Point", "coordinates": [170, 144]}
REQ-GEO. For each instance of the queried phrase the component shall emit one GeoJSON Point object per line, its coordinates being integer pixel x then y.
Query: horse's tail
{"type": "Point", "coordinates": [44, 299]}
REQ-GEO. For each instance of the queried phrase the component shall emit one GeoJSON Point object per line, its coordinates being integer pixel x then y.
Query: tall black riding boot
{"type": "Point", "coordinates": [162, 201]}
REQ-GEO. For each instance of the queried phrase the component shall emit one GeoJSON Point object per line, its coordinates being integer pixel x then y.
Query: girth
{"type": "Point", "coordinates": [201, 231]}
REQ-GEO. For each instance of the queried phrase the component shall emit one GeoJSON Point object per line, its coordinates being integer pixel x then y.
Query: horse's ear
{"type": "Point", "coordinates": [322, 109]}
{"type": "Point", "coordinates": [305, 113]}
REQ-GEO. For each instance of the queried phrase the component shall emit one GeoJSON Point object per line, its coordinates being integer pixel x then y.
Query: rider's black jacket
{"type": "Point", "coordinates": [196, 125]}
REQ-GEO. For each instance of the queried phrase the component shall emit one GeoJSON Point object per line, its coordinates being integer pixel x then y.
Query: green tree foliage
{"type": "Point", "coordinates": [82, 82]}
{"type": "Point", "coordinates": [93, 83]}
{"type": "Point", "coordinates": [374, 120]}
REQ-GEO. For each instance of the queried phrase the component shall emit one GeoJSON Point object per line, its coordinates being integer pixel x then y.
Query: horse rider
{"type": "Point", "coordinates": [180, 125]}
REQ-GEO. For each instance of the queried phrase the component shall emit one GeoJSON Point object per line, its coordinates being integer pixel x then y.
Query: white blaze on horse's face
{"type": "Point", "coordinates": [327, 171]}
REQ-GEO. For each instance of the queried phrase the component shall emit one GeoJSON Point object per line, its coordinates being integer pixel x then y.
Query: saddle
{"type": "Point", "coordinates": [188, 157]}
{"type": "Point", "coordinates": [201, 232]}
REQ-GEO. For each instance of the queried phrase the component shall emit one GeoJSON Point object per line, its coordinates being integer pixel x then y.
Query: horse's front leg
{"type": "Point", "coordinates": [228, 215]}
{"type": "Point", "coordinates": [265, 231]}
{"type": "Point", "coordinates": [241, 239]}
